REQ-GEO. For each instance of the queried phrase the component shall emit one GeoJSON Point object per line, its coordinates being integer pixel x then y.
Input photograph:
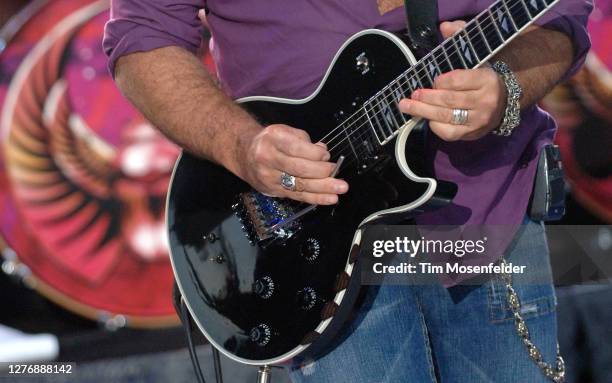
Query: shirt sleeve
{"type": "Point", "coordinates": [570, 17]}
{"type": "Point", "coordinates": [145, 25]}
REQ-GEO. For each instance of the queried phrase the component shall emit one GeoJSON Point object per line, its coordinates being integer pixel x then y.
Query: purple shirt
{"type": "Point", "coordinates": [283, 48]}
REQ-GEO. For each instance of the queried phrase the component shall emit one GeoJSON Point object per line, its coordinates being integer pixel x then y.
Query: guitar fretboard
{"type": "Point", "coordinates": [480, 39]}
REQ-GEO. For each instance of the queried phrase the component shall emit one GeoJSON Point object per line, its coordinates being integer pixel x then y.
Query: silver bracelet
{"type": "Point", "coordinates": [512, 114]}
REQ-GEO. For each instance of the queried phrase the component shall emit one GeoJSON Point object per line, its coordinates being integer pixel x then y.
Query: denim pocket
{"type": "Point", "coordinates": [536, 300]}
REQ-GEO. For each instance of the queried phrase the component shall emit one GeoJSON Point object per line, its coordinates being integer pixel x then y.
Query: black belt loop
{"type": "Point", "coordinates": [422, 25]}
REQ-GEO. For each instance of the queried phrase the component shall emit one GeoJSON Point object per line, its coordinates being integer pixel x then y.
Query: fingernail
{"type": "Point", "coordinates": [341, 187]}
{"type": "Point", "coordinates": [326, 157]}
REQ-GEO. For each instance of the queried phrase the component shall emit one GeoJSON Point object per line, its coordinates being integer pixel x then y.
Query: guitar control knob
{"type": "Point", "coordinates": [264, 287]}
{"type": "Point", "coordinates": [310, 249]}
{"type": "Point", "coordinates": [307, 298]}
{"type": "Point", "coordinates": [261, 334]}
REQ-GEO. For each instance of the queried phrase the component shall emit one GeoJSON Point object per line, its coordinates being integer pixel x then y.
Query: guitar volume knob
{"type": "Point", "coordinates": [307, 298]}
{"type": "Point", "coordinates": [261, 334]}
{"type": "Point", "coordinates": [264, 287]}
{"type": "Point", "coordinates": [311, 249]}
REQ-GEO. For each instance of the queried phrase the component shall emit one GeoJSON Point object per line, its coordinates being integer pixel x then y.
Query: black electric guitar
{"type": "Point", "coordinates": [268, 280]}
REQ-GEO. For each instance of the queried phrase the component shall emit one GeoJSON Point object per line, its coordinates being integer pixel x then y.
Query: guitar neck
{"type": "Point", "coordinates": [469, 48]}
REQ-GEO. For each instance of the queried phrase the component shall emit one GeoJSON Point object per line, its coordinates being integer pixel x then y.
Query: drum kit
{"type": "Point", "coordinates": [83, 175]}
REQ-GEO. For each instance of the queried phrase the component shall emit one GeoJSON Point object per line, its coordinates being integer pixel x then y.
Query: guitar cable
{"type": "Point", "coordinates": [188, 327]}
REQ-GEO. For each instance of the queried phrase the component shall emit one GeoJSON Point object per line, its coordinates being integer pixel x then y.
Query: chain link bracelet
{"type": "Point", "coordinates": [512, 114]}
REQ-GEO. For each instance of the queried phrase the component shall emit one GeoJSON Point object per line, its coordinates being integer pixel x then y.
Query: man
{"type": "Point", "coordinates": [283, 48]}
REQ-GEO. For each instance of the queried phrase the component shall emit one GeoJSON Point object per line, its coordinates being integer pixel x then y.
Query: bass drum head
{"type": "Point", "coordinates": [83, 176]}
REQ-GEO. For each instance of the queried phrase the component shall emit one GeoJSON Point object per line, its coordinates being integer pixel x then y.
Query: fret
{"type": "Point", "coordinates": [535, 7]}
{"type": "Point", "coordinates": [387, 114]}
{"type": "Point", "coordinates": [484, 37]}
{"type": "Point", "coordinates": [499, 34]}
{"type": "Point", "coordinates": [526, 9]}
{"type": "Point", "coordinates": [450, 64]}
{"type": "Point", "coordinates": [401, 85]}
{"type": "Point", "coordinates": [519, 14]}
{"type": "Point", "coordinates": [500, 18]}
{"type": "Point", "coordinates": [431, 66]}
{"type": "Point", "coordinates": [379, 116]}
{"type": "Point", "coordinates": [407, 87]}
{"type": "Point", "coordinates": [426, 69]}
{"type": "Point", "coordinates": [418, 75]}
{"type": "Point", "coordinates": [439, 58]}
{"type": "Point", "coordinates": [469, 41]}
{"type": "Point", "coordinates": [412, 80]}
{"type": "Point", "coordinates": [509, 14]}
{"type": "Point", "coordinates": [379, 134]}
{"type": "Point", "coordinates": [453, 54]}
{"type": "Point", "coordinates": [477, 42]}
{"type": "Point", "coordinates": [397, 95]}
{"type": "Point", "coordinates": [466, 51]}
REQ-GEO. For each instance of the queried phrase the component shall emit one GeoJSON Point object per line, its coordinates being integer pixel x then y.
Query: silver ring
{"type": "Point", "coordinates": [287, 181]}
{"type": "Point", "coordinates": [460, 116]}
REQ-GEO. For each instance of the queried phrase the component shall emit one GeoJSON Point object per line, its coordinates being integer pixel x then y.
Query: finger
{"type": "Point", "coordinates": [427, 111]}
{"type": "Point", "coordinates": [448, 132]}
{"type": "Point", "coordinates": [296, 143]}
{"type": "Point", "coordinates": [459, 79]}
{"type": "Point", "coordinates": [313, 198]}
{"type": "Point", "coordinates": [305, 150]}
{"type": "Point", "coordinates": [446, 98]}
{"type": "Point", "coordinates": [322, 186]}
{"type": "Point", "coordinates": [449, 28]}
{"type": "Point", "coordinates": [300, 167]}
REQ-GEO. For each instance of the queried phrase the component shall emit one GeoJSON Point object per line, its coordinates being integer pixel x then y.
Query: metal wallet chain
{"type": "Point", "coordinates": [556, 374]}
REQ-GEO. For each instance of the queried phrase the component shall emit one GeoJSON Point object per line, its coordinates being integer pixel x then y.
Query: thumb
{"type": "Point", "coordinates": [448, 28]}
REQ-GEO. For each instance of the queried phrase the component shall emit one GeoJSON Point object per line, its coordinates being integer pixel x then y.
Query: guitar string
{"type": "Point", "coordinates": [402, 80]}
{"type": "Point", "coordinates": [491, 23]}
{"type": "Point", "coordinates": [405, 81]}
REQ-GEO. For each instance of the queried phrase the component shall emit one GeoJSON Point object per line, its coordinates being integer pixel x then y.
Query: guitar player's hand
{"type": "Point", "coordinates": [480, 91]}
{"type": "Point", "coordinates": [281, 148]}
{"type": "Point", "coordinates": [262, 155]}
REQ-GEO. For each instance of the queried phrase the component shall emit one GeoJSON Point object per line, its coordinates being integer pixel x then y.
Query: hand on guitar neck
{"type": "Point", "coordinates": [481, 91]}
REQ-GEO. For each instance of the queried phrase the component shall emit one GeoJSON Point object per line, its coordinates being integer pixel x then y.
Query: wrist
{"type": "Point", "coordinates": [233, 155]}
{"type": "Point", "coordinates": [512, 111]}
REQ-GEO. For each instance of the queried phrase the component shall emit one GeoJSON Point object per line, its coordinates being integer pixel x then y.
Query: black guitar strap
{"type": "Point", "coordinates": [422, 25]}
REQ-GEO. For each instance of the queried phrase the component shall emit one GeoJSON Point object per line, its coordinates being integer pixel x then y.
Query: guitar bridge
{"type": "Point", "coordinates": [261, 215]}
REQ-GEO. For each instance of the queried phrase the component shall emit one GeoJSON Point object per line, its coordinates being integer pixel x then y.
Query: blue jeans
{"type": "Point", "coordinates": [426, 333]}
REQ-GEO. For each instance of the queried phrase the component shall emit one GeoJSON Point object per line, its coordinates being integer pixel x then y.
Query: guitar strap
{"type": "Point", "coordinates": [422, 25]}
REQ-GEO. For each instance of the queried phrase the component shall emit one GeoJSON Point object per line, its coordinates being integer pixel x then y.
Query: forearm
{"type": "Point", "coordinates": [174, 91]}
{"type": "Point", "coordinates": [539, 58]}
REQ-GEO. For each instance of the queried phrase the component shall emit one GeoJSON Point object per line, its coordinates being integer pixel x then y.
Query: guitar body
{"type": "Point", "coordinates": [265, 302]}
